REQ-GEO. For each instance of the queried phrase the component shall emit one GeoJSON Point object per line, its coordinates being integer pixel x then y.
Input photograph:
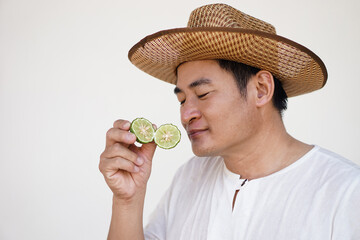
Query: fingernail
{"type": "Point", "coordinates": [127, 125]}
{"type": "Point", "coordinates": [139, 161]}
{"type": "Point", "coordinates": [130, 136]}
{"type": "Point", "coordinates": [136, 169]}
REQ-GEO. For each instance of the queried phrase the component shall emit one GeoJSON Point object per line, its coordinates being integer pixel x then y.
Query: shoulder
{"type": "Point", "coordinates": [344, 182]}
{"type": "Point", "coordinates": [333, 171]}
{"type": "Point", "coordinates": [334, 163]}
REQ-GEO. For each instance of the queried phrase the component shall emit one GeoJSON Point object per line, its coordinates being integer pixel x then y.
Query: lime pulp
{"type": "Point", "coordinates": [167, 136]}
{"type": "Point", "coordinates": [143, 130]}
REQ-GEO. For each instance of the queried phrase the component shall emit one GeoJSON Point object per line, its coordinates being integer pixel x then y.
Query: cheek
{"type": "Point", "coordinates": [232, 117]}
{"type": "Point", "coordinates": [223, 119]}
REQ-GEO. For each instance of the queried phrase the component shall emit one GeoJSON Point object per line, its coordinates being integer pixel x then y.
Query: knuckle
{"type": "Point", "coordinates": [117, 147]}
{"type": "Point", "coordinates": [104, 154]}
{"type": "Point", "coordinates": [100, 166]}
{"type": "Point", "coordinates": [101, 157]}
{"type": "Point", "coordinates": [109, 132]}
{"type": "Point", "coordinates": [119, 161]}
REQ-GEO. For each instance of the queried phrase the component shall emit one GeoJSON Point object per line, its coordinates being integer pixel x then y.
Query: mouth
{"type": "Point", "coordinates": [195, 133]}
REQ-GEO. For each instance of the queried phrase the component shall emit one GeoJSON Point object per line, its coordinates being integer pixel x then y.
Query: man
{"type": "Point", "coordinates": [250, 179]}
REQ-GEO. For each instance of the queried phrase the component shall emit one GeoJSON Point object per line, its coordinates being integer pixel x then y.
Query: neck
{"type": "Point", "coordinates": [268, 151]}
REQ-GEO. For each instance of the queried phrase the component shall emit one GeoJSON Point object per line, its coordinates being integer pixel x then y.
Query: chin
{"type": "Point", "coordinates": [203, 151]}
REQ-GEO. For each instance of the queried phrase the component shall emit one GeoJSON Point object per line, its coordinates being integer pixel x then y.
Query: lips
{"type": "Point", "coordinates": [194, 133]}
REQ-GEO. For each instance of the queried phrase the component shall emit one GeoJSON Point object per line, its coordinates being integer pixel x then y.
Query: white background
{"type": "Point", "coordinates": [65, 77]}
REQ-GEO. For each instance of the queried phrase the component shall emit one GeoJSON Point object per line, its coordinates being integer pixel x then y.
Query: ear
{"type": "Point", "coordinates": [264, 87]}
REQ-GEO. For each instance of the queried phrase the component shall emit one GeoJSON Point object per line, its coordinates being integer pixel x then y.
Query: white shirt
{"type": "Point", "coordinates": [317, 197]}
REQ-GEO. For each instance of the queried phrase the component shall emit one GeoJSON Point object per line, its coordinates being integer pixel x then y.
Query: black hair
{"type": "Point", "coordinates": [242, 74]}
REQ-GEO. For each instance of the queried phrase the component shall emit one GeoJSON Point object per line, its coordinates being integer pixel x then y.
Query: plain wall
{"type": "Point", "coordinates": [65, 78]}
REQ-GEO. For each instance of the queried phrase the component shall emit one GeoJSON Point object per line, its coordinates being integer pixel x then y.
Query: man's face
{"type": "Point", "coordinates": [218, 120]}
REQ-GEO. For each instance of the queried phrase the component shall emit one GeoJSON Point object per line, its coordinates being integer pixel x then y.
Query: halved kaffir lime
{"type": "Point", "coordinates": [143, 130]}
{"type": "Point", "coordinates": [167, 136]}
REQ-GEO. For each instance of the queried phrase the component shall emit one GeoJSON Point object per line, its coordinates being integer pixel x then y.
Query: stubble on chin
{"type": "Point", "coordinates": [203, 151]}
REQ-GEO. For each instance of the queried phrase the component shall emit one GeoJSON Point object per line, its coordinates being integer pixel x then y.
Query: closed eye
{"type": "Point", "coordinates": [199, 96]}
{"type": "Point", "coordinates": [203, 95]}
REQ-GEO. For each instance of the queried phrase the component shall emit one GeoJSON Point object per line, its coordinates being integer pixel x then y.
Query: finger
{"type": "Point", "coordinates": [122, 124]}
{"type": "Point", "coordinates": [118, 150]}
{"type": "Point", "coordinates": [116, 135]}
{"type": "Point", "coordinates": [149, 149]}
{"type": "Point", "coordinates": [110, 166]}
{"type": "Point", "coordinates": [146, 151]}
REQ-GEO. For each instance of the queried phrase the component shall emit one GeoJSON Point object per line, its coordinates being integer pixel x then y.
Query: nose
{"type": "Point", "coordinates": [189, 112]}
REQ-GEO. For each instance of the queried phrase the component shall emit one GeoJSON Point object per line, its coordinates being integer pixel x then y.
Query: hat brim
{"type": "Point", "coordinates": [298, 68]}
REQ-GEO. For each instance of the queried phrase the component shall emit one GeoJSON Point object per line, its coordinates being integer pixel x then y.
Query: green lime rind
{"type": "Point", "coordinates": [143, 130]}
{"type": "Point", "coordinates": [167, 136]}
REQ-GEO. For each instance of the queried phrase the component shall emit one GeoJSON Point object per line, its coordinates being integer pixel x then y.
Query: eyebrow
{"type": "Point", "coordinates": [201, 81]}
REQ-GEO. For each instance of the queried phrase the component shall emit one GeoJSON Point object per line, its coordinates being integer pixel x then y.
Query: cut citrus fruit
{"type": "Point", "coordinates": [167, 136]}
{"type": "Point", "coordinates": [143, 130]}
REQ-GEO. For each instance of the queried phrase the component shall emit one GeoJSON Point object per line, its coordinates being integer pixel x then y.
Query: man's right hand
{"type": "Point", "coordinates": [126, 167]}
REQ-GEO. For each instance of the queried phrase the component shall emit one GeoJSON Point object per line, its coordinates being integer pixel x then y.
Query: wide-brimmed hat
{"type": "Point", "coordinates": [219, 31]}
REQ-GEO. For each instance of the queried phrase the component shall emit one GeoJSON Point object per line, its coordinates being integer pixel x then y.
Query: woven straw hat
{"type": "Point", "coordinates": [219, 31]}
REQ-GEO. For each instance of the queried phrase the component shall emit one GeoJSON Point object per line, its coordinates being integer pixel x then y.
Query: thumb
{"type": "Point", "coordinates": [147, 150]}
